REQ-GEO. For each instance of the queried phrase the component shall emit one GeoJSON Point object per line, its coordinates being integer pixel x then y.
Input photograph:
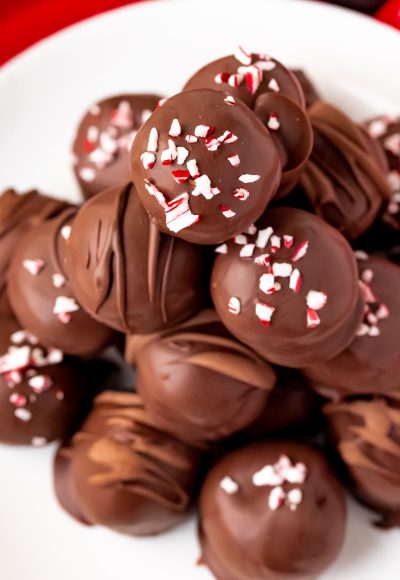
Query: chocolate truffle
{"type": "Point", "coordinates": [104, 138]}
{"type": "Point", "coordinates": [17, 213]}
{"type": "Point", "coordinates": [272, 511]}
{"type": "Point", "coordinates": [311, 93]}
{"type": "Point", "coordinates": [201, 385]}
{"type": "Point", "coordinates": [41, 296]}
{"type": "Point", "coordinates": [124, 473]}
{"type": "Point", "coordinates": [43, 395]}
{"type": "Point", "coordinates": [289, 290]}
{"type": "Point", "coordinates": [127, 274]}
{"type": "Point", "coordinates": [371, 363]}
{"type": "Point", "coordinates": [291, 130]}
{"type": "Point", "coordinates": [344, 179]}
{"type": "Point", "coordinates": [205, 167]}
{"type": "Point", "coordinates": [246, 76]}
{"type": "Point", "coordinates": [366, 434]}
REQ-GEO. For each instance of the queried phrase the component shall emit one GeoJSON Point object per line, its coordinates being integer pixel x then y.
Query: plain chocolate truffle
{"type": "Point", "coordinates": [104, 138]}
{"type": "Point", "coordinates": [205, 167]}
{"type": "Point", "coordinates": [272, 511]}
{"type": "Point", "coordinates": [289, 290]}
{"type": "Point", "coordinates": [126, 273]}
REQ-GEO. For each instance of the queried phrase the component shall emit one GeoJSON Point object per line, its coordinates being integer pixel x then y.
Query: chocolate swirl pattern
{"type": "Point", "coordinates": [366, 433]}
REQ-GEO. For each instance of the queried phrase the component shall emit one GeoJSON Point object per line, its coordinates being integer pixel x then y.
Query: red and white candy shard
{"type": "Point", "coordinates": [40, 383]}
{"type": "Point", "coordinates": [267, 283]}
{"type": "Point", "coordinates": [229, 485]}
{"type": "Point", "coordinates": [226, 211]}
{"type": "Point", "coordinates": [234, 160]}
{"type": "Point", "coordinates": [242, 55]}
{"type": "Point", "coordinates": [178, 214]}
{"type": "Point", "coordinates": [34, 267]}
{"type": "Point", "coordinates": [230, 100]}
{"type": "Point", "coordinates": [248, 178]}
{"type": "Point", "coordinates": [273, 85]}
{"type": "Point", "coordinates": [148, 159]}
{"type": "Point", "coordinates": [152, 144]}
{"type": "Point", "coordinates": [276, 498]}
{"type": "Point", "coordinates": [18, 400]}
{"type": "Point", "coordinates": [241, 193]}
{"type": "Point", "coordinates": [264, 313]}
{"type": "Point", "coordinates": [273, 123]}
{"type": "Point", "coordinates": [234, 305]}
{"type": "Point", "coordinates": [16, 358]}
{"type": "Point", "coordinates": [293, 499]}
{"type": "Point", "coordinates": [295, 280]}
{"type": "Point", "coordinates": [312, 318]}
{"type": "Point", "coordinates": [301, 251]}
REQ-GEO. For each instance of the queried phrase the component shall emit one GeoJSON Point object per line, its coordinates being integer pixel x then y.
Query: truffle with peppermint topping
{"type": "Point", "coordinates": [246, 76]}
{"type": "Point", "coordinates": [205, 167]}
{"type": "Point", "coordinates": [104, 138]}
{"type": "Point", "coordinates": [371, 363]}
{"type": "Point", "coordinates": [271, 510]}
{"type": "Point", "coordinates": [41, 295]}
{"type": "Point", "coordinates": [289, 289]}
{"type": "Point", "coordinates": [126, 273]}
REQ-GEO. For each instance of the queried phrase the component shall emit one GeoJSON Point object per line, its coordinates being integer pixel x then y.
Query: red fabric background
{"type": "Point", "coordinates": [24, 22]}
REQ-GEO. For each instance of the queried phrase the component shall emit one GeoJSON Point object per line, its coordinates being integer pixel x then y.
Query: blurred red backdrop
{"type": "Point", "coordinates": [24, 22]}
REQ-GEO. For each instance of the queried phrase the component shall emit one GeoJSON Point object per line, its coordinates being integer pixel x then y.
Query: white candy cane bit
{"type": "Point", "coordinates": [240, 239]}
{"type": "Point", "coordinates": [273, 123]}
{"type": "Point", "coordinates": [267, 284]}
{"type": "Point", "coordinates": [108, 143]}
{"type": "Point", "coordinates": [265, 65]}
{"type": "Point", "coordinates": [377, 128]}
{"type": "Point", "coordinates": [273, 85]}
{"type": "Point", "coordinates": [227, 137]}
{"type": "Point", "coordinates": [175, 129]}
{"type": "Point", "coordinates": [172, 148]}
{"type": "Point", "coordinates": [182, 154]}
{"type": "Point", "coordinates": [87, 174]}
{"type": "Point", "coordinates": [23, 415]}
{"type": "Point", "coordinates": [383, 312]}
{"type": "Point", "coordinates": [281, 269]}
{"type": "Point", "coordinates": [230, 100]}
{"type": "Point", "coordinates": [301, 251]}
{"type": "Point", "coordinates": [15, 359]}
{"type": "Point", "coordinates": [122, 116]}
{"type": "Point", "coordinates": [54, 356]}
{"type": "Point", "coordinates": [234, 160]}
{"type": "Point", "coordinates": [253, 76]}
{"type": "Point", "coordinates": [152, 144]}
{"type": "Point", "coordinates": [367, 275]}
{"type": "Point", "coordinates": [362, 330]}
{"type": "Point", "coordinates": [288, 241]}
{"type": "Point", "coordinates": [40, 383]}
{"type": "Point", "coordinates": [264, 313]}
{"type": "Point", "coordinates": [312, 318]}
{"type": "Point", "coordinates": [263, 237]}
{"type": "Point", "coordinates": [166, 157]}
{"type": "Point", "coordinates": [226, 211]}
{"type": "Point", "coordinates": [39, 442]}
{"type": "Point", "coordinates": [276, 498]}
{"type": "Point", "coordinates": [191, 139]}
{"type": "Point", "coordinates": [275, 243]}
{"type": "Point", "coordinates": [234, 305]}
{"type": "Point", "coordinates": [247, 251]}
{"type": "Point", "coordinates": [263, 260]}
{"type": "Point", "coordinates": [92, 133]}
{"type": "Point", "coordinates": [251, 230]}
{"type": "Point", "coordinates": [58, 280]}
{"type": "Point", "coordinates": [316, 300]}
{"type": "Point", "coordinates": [267, 476]}
{"type": "Point", "coordinates": [212, 144]}
{"type": "Point", "coordinates": [100, 158]}
{"type": "Point", "coordinates": [243, 55]}
{"type": "Point", "coordinates": [295, 280]}
{"type": "Point", "coordinates": [66, 232]}
{"type": "Point", "coordinates": [64, 317]}
{"type": "Point", "coordinates": [372, 318]}
{"type": "Point", "coordinates": [192, 168]}
{"type": "Point", "coordinates": [19, 336]}
{"type": "Point", "coordinates": [295, 473]}
{"type": "Point", "coordinates": [229, 485]}
{"type": "Point", "coordinates": [392, 144]}
{"type": "Point", "coordinates": [294, 497]}
{"type": "Point", "coordinates": [241, 193]}
{"type": "Point", "coordinates": [360, 255]}
{"type": "Point", "coordinates": [178, 214]}
{"type": "Point", "coordinates": [148, 159]}
{"type": "Point", "coordinates": [222, 249]}
{"type": "Point", "coordinates": [248, 178]}
{"type": "Point", "coordinates": [373, 331]}
{"type": "Point", "coordinates": [235, 80]}
{"type": "Point", "coordinates": [34, 267]}
{"type": "Point", "coordinates": [203, 130]}
{"type": "Point", "coordinates": [215, 190]}
{"type": "Point", "coordinates": [203, 186]}
{"type": "Point", "coordinates": [65, 304]}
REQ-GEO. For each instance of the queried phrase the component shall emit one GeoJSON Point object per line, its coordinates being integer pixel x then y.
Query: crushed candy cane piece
{"type": "Point", "coordinates": [234, 305]}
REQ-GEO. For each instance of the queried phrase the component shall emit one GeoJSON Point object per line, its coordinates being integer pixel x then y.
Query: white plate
{"type": "Point", "coordinates": [155, 47]}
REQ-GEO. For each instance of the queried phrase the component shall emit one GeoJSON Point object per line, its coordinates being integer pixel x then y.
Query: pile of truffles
{"type": "Point", "coordinates": [239, 249]}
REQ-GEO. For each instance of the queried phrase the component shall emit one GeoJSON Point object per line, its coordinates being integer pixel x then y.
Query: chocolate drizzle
{"type": "Point", "coordinates": [152, 260]}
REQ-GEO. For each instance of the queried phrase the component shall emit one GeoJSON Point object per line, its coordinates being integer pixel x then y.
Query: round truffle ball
{"type": "Point", "coordinates": [366, 434]}
{"type": "Point", "coordinates": [41, 296]}
{"type": "Point", "coordinates": [246, 76]}
{"type": "Point", "coordinates": [124, 472]}
{"type": "Point", "coordinates": [271, 511]}
{"type": "Point", "coordinates": [200, 384]}
{"type": "Point", "coordinates": [345, 179]}
{"type": "Point", "coordinates": [127, 274]}
{"type": "Point", "coordinates": [371, 363]}
{"type": "Point", "coordinates": [289, 290]}
{"type": "Point", "coordinates": [205, 167]}
{"type": "Point", "coordinates": [104, 138]}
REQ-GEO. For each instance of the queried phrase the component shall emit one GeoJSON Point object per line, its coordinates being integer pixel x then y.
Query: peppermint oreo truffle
{"type": "Point", "coordinates": [365, 431]}
{"type": "Point", "coordinates": [104, 138]}
{"type": "Point", "coordinates": [122, 472]}
{"type": "Point", "coordinates": [345, 178]}
{"type": "Point", "coordinates": [205, 167]}
{"type": "Point", "coordinates": [246, 76]}
{"type": "Point", "coordinates": [200, 384]}
{"type": "Point", "coordinates": [41, 296]}
{"type": "Point", "coordinates": [289, 289]}
{"type": "Point", "coordinates": [291, 130]}
{"type": "Point", "coordinates": [371, 363]}
{"type": "Point", "coordinates": [126, 273]}
{"type": "Point", "coordinates": [271, 510]}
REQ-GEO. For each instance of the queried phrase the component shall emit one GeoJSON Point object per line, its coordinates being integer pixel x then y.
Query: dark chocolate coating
{"type": "Point", "coordinates": [243, 538]}
{"type": "Point", "coordinates": [371, 363]}
{"type": "Point", "coordinates": [286, 82]}
{"type": "Point", "coordinates": [201, 385]}
{"type": "Point", "coordinates": [207, 217]}
{"type": "Point", "coordinates": [344, 179]}
{"type": "Point", "coordinates": [40, 400]}
{"type": "Point", "coordinates": [124, 472]}
{"type": "Point", "coordinates": [328, 267]}
{"type": "Point", "coordinates": [17, 213]}
{"type": "Point", "coordinates": [35, 297]}
{"type": "Point", "coordinates": [311, 94]}
{"type": "Point", "coordinates": [103, 140]}
{"type": "Point", "coordinates": [366, 434]}
{"type": "Point", "coordinates": [127, 274]}
{"type": "Point", "coordinates": [293, 137]}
